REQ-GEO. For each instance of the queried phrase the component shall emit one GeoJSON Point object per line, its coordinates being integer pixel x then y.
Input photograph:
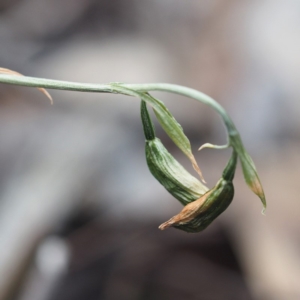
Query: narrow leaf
{"type": "Point", "coordinates": [173, 129]}
{"type": "Point", "coordinates": [252, 179]}
{"type": "Point", "coordinates": [249, 169]}
{"type": "Point", "coordinates": [208, 145]}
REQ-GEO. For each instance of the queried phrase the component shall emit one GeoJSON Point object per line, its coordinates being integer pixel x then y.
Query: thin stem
{"type": "Point", "coordinates": [55, 84]}
{"type": "Point", "coordinates": [188, 92]}
{"type": "Point", "coordinates": [126, 89]}
{"type": "Point", "coordinates": [141, 91]}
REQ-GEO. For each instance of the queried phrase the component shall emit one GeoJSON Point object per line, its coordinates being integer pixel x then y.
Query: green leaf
{"type": "Point", "coordinates": [249, 169]}
{"type": "Point", "coordinates": [172, 128]}
{"type": "Point", "coordinates": [252, 179]}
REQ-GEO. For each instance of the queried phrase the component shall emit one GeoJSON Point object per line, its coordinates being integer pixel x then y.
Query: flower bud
{"type": "Point", "coordinates": [197, 215]}
{"type": "Point", "coordinates": [166, 169]}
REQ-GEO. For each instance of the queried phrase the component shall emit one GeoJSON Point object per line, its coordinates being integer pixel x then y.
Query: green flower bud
{"type": "Point", "coordinates": [172, 175]}
{"type": "Point", "coordinates": [197, 215]}
{"type": "Point", "coordinates": [166, 169]}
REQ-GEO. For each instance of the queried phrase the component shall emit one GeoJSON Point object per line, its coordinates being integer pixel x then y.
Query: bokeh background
{"type": "Point", "coordinates": [79, 209]}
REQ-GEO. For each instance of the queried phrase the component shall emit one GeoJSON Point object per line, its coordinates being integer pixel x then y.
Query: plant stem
{"type": "Point", "coordinates": [141, 91]}
{"type": "Point", "coordinates": [190, 93]}
{"type": "Point", "coordinates": [130, 89]}
{"type": "Point", "coordinates": [55, 84]}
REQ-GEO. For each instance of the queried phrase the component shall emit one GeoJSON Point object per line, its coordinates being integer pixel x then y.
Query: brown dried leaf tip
{"type": "Point", "coordinates": [10, 72]}
{"type": "Point", "coordinates": [188, 213]}
{"type": "Point", "coordinates": [196, 167]}
{"type": "Point", "coordinates": [197, 215]}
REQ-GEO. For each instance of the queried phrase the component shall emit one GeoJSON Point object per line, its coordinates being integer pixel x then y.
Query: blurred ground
{"type": "Point", "coordinates": [79, 210]}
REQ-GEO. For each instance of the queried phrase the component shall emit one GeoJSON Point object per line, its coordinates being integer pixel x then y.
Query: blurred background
{"type": "Point", "coordinates": [79, 209]}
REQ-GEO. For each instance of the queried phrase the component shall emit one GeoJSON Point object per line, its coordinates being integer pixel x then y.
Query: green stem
{"type": "Point", "coordinates": [229, 170]}
{"type": "Point", "coordinates": [126, 89]}
{"type": "Point", "coordinates": [148, 126]}
{"type": "Point", "coordinates": [55, 84]}
{"type": "Point", "coordinates": [190, 93]}
{"type": "Point", "coordinates": [141, 91]}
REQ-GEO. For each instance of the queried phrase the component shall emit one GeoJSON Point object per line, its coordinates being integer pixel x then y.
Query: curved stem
{"type": "Point", "coordinates": [208, 145]}
{"type": "Point", "coordinates": [140, 91]}
{"type": "Point", "coordinates": [191, 93]}
{"type": "Point", "coordinates": [119, 88]}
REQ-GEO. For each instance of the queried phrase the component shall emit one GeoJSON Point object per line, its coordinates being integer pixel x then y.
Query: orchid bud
{"type": "Point", "coordinates": [166, 169]}
{"type": "Point", "coordinates": [197, 215]}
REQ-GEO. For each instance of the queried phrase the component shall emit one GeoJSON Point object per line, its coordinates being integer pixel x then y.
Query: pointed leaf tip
{"type": "Point", "coordinates": [208, 145]}
{"type": "Point", "coordinates": [196, 167]}
{"type": "Point", "coordinates": [173, 129]}
{"type": "Point", "coordinates": [252, 179]}
{"type": "Point", "coordinates": [249, 169]}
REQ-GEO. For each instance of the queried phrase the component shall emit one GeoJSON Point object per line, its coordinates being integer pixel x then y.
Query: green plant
{"type": "Point", "coordinates": [202, 205]}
